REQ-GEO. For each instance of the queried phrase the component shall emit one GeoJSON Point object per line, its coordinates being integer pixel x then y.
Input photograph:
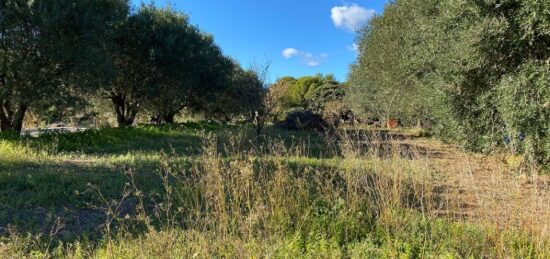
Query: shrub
{"type": "Point", "coordinates": [301, 119]}
{"type": "Point", "coordinates": [524, 104]}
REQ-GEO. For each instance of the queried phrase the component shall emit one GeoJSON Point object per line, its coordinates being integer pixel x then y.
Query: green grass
{"type": "Point", "coordinates": [207, 190]}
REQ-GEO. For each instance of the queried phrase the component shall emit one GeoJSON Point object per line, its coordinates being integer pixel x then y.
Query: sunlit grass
{"type": "Point", "coordinates": [230, 194]}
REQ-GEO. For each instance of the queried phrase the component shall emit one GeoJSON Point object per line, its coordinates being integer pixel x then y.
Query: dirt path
{"type": "Point", "coordinates": [484, 188]}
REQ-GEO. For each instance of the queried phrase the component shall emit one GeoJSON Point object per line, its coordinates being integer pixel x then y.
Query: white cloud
{"type": "Point", "coordinates": [290, 52]}
{"type": "Point", "coordinates": [308, 58]}
{"type": "Point", "coordinates": [350, 17]}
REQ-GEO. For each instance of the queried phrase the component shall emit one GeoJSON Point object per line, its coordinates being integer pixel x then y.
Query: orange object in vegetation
{"type": "Point", "coordinates": [392, 123]}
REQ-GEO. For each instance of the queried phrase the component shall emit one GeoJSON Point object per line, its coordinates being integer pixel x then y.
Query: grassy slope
{"type": "Point", "coordinates": [54, 177]}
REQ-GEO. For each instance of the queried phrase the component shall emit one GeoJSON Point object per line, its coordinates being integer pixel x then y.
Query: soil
{"type": "Point", "coordinates": [487, 188]}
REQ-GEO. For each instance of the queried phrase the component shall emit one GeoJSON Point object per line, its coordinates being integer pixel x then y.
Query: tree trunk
{"type": "Point", "coordinates": [11, 118]}
{"type": "Point", "coordinates": [169, 117]}
{"type": "Point", "coordinates": [125, 111]}
{"type": "Point", "coordinates": [259, 122]}
{"type": "Point", "coordinates": [163, 118]}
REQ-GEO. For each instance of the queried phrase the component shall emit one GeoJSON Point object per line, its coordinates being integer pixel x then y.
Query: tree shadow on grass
{"type": "Point", "coordinates": [36, 198]}
{"type": "Point", "coordinates": [372, 135]}
{"type": "Point", "coordinates": [381, 143]}
{"type": "Point", "coordinates": [34, 194]}
{"type": "Point", "coordinates": [386, 144]}
{"type": "Point", "coordinates": [33, 201]}
{"type": "Point", "coordinates": [121, 141]}
{"type": "Point", "coordinates": [389, 150]}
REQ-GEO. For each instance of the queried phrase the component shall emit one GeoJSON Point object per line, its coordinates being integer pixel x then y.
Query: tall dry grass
{"type": "Point", "coordinates": [261, 198]}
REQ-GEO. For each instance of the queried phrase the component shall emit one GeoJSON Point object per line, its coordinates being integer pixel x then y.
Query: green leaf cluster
{"type": "Point", "coordinates": [56, 56]}
{"type": "Point", "coordinates": [475, 70]}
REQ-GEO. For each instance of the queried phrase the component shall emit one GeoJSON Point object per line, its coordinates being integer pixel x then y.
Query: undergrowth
{"type": "Point", "coordinates": [241, 196]}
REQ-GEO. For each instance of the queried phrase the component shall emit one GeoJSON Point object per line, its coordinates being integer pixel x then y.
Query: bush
{"type": "Point", "coordinates": [301, 119]}
{"type": "Point", "coordinates": [524, 105]}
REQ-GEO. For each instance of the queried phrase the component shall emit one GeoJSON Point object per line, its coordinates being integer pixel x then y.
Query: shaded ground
{"type": "Point", "coordinates": [37, 190]}
{"type": "Point", "coordinates": [34, 193]}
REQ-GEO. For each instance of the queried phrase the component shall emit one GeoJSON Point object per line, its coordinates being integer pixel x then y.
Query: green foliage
{"type": "Point", "coordinates": [150, 60]}
{"type": "Point", "coordinates": [524, 102]}
{"type": "Point", "coordinates": [42, 54]}
{"type": "Point", "coordinates": [326, 94]}
{"type": "Point", "coordinates": [328, 101]}
{"type": "Point", "coordinates": [322, 96]}
{"type": "Point", "coordinates": [113, 140]}
{"type": "Point", "coordinates": [301, 90]}
{"type": "Point", "coordinates": [279, 93]}
{"type": "Point", "coordinates": [459, 65]}
{"type": "Point", "coordinates": [242, 96]}
{"type": "Point", "coordinates": [300, 119]}
{"type": "Point", "coordinates": [381, 84]}
{"type": "Point", "coordinates": [163, 64]}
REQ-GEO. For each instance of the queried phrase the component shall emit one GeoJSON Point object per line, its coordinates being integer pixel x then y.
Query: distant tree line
{"type": "Point", "coordinates": [478, 71]}
{"type": "Point", "coordinates": [307, 97]}
{"type": "Point", "coordinates": [63, 54]}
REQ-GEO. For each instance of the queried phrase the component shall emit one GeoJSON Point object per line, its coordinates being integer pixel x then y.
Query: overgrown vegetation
{"type": "Point", "coordinates": [475, 70]}
{"type": "Point", "coordinates": [310, 98]}
{"type": "Point", "coordinates": [215, 192]}
{"type": "Point", "coordinates": [299, 168]}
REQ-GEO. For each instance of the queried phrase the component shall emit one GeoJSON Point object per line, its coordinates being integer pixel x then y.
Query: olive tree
{"type": "Point", "coordinates": [477, 69]}
{"type": "Point", "coordinates": [241, 96]}
{"type": "Point", "coordinates": [50, 49]}
{"type": "Point", "coordinates": [163, 64]}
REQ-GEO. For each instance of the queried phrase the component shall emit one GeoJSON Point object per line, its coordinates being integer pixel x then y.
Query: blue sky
{"type": "Point", "coordinates": [299, 37]}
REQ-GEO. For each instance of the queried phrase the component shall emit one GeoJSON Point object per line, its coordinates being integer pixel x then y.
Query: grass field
{"type": "Point", "coordinates": [205, 190]}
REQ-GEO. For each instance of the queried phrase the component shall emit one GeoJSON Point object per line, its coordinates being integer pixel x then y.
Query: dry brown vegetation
{"type": "Point", "coordinates": [494, 189]}
{"type": "Point", "coordinates": [361, 193]}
